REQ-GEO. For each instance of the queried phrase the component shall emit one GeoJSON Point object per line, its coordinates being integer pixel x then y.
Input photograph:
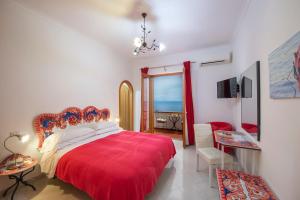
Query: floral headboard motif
{"type": "Point", "coordinates": [72, 116]}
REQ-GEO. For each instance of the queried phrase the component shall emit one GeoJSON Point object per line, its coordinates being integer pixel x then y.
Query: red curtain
{"type": "Point", "coordinates": [144, 106]}
{"type": "Point", "coordinates": [189, 102]}
{"type": "Point", "coordinates": [144, 71]}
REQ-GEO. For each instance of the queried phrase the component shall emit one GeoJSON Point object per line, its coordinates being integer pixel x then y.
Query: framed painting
{"type": "Point", "coordinates": [285, 69]}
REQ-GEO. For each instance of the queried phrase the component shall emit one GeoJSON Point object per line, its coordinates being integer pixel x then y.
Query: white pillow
{"type": "Point", "coordinates": [74, 132]}
{"type": "Point", "coordinates": [50, 143]}
{"type": "Point", "coordinates": [76, 140]}
{"type": "Point", "coordinates": [79, 139]}
{"type": "Point", "coordinates": [106, 130]}
{"type": "Point", "coordinates": [104, 125]}
{"type": "Point", "coordinates": [86, 125]}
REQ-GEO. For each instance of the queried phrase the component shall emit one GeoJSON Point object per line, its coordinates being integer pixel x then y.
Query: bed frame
{"type": "Point", "coordinates": [72, 116]}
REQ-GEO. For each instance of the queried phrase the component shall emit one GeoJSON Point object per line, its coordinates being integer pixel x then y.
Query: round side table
{"type": "Point", "coordinates": [19, 174]}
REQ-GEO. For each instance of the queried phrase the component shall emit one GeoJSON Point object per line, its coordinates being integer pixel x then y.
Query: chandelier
{"type": "Point", "coordinates": [140, 43]}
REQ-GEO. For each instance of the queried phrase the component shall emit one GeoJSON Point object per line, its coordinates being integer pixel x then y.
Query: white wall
{"type": "Point", "coordinates": [204, 81]}
{"type": "Point", "coordinates": [46, 67]}
{"type": "Point", "coordinates": [268, 24]}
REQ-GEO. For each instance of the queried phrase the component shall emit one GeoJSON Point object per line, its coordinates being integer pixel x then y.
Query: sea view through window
{"type": "Point", "coordinates": [168, 93]}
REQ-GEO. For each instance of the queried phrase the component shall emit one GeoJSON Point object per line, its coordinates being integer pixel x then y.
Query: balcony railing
{"type": "Point", "coordinates": [168, 120]}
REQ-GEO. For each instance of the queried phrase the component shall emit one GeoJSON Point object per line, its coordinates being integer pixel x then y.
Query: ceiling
{"type": "Point", "coordinates": [180, 25]}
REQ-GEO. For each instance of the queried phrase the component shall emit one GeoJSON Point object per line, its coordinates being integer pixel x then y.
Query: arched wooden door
{"type": "Point", "coordinates": [126, 105]}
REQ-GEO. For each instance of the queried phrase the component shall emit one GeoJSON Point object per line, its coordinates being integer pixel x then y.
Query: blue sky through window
{"type": "Point", "coordinates": [168, 93]}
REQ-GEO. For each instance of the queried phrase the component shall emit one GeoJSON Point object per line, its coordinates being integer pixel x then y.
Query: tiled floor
{"type": "Point", "coordinates": [179, 181]}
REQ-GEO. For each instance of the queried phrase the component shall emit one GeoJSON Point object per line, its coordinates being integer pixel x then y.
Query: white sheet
{"type": "Point", "coordinates": [50, 159]}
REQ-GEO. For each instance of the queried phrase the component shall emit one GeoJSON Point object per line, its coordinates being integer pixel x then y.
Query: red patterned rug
{"type": "Point", "coordinates": [235, 185]}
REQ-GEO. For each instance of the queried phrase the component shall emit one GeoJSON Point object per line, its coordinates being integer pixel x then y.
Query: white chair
{"type": "Point", "coordinates": [205, 149]}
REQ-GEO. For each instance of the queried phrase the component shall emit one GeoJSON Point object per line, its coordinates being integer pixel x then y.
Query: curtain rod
{"type": "Point", "coordinates": [171, 65]}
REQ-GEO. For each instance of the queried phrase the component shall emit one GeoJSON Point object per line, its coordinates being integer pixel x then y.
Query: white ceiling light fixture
{"type": "Point", "coordinates": [162, 47]}
{"type": "Point", "coordinates": [141, 45]}
{"type": "Point", "coordinates": [137, 42]}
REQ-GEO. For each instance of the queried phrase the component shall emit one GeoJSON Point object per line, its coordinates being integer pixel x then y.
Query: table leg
{"type": "Point", "coordinates": [14, 192]}
{"type": "Point", "coordinates": [222, 157]}
{"type": "Point", "coordinates": [242, 160]}
{"type": "Point", "coordinates": [253, 163]}
{"type": "Point", "coordinates": [5, 192]}
{"type": "Point", "coordinates": [16, 184]}
{"type": "Point", "coordinates": [25, 182]}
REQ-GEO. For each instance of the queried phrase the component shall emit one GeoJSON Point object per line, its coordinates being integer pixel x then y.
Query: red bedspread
{"type": "Point", "coordinates": [123, 166]}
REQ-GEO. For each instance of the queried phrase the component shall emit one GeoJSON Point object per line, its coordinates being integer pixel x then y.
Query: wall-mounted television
{"type": "Point", "coordinates": [227, 88]}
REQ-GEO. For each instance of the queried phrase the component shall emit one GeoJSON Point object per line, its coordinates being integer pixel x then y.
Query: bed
{"type": "Point", "coordinates": [106, 162]}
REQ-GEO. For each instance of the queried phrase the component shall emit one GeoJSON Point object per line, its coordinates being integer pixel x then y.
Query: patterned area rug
{"type": "Point", "coordinates": [235, 185]}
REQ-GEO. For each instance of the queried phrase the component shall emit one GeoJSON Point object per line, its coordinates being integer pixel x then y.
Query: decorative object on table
{"type": "Point", "coordinates": [140, 43]}
{"type": "Point", "coordinates": [285, 69]}
{"type": "Point", "coordinates": [19, 173]}
{"type": "Point", "coordinates": [235, 139]}
{"type": "Point", "coordinates": [239, 185]}
{"type": "Point", "coordinates": [14, 160]}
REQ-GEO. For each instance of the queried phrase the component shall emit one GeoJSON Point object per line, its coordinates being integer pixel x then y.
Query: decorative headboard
{"type": "Point", "coordinates": [72, 116]}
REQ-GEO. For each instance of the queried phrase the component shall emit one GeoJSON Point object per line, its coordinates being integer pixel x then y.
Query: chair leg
{"type": "Point", "coordinates": [197, 162]}
{"type": "Point", "coordinates": [210, 176]}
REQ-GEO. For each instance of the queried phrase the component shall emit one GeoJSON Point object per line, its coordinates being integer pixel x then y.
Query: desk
{"type": "Point", "coordinates": [239, 185]}
{"type": "Point", "coordinates": [18, 174]}
{"type": "Point", "coordinates": [235, 140]}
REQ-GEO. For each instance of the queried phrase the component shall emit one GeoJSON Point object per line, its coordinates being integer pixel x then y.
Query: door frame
{"type": "Point", "coordinates": [132, 102]}
{"type": "Point", "coordinates": [151, 99]}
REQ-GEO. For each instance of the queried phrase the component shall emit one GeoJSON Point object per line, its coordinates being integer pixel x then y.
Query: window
{"type": "Point", "coordinates": [168, 93]}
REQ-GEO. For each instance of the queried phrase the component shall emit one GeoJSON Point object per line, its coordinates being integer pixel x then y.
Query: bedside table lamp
{"type": "Point", "coordinates": [22, 138]}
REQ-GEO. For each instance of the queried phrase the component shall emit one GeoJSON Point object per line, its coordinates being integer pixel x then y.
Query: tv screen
{"type": "Point", "coordinates": [246, 87]}
{"type": "Point", "coordinates": [227, 88]}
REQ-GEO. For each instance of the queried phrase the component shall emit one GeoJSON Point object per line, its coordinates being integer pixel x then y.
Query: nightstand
{"type": "Point", "coordinates": [19, 174]}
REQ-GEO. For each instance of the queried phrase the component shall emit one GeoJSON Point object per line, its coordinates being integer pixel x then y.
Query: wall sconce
{"type": "Point", "coordinates": [117, 120]}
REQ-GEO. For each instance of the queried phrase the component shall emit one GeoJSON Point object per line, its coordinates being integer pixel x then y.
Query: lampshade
{"type": "Point", "coordinates": [137, 42]}
{"type": "Point", "coordinates": [25, 138]}
{"type": "Point", "coordinates": [162, 47]}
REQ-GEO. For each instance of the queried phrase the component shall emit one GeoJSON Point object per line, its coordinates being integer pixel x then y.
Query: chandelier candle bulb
{"type": "Point", "coordinates": [137, 42]}
{"type": "Point", "coordinates": [162, 47]}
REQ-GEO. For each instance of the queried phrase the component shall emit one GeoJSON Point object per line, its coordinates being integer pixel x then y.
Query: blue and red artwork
{"type": "Point", "coordinates": [285, 69]}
